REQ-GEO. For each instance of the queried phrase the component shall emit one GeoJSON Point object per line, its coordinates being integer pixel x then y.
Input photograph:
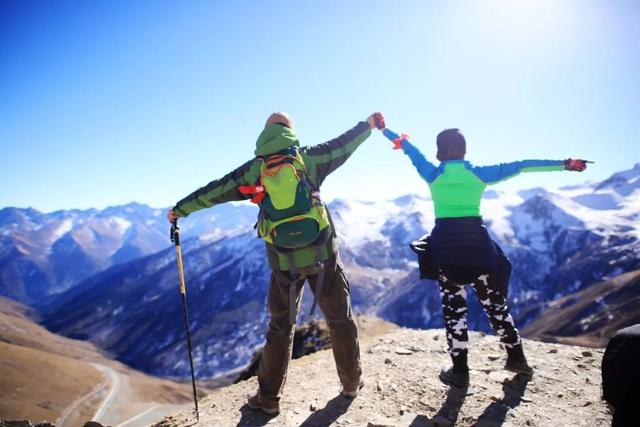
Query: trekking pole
{"type": "Point", "coordinates": [175, 238]}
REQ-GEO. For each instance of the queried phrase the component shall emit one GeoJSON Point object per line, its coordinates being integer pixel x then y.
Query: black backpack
{"type": "Point", "coordinates": [621, 374]}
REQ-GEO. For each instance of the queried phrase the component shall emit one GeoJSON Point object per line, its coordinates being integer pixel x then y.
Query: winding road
{"type": "Point", "coordinates": [108, 409]}
{"type": "Point", "coordinates": [115, 388]}
{"type": "Point", "coordinates": [111, 380]}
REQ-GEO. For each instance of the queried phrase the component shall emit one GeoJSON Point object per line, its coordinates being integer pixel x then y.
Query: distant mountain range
{"type": "Point", "coordinates": [125, 297]}
{"type": "Point", "coordinates": [44, 254]}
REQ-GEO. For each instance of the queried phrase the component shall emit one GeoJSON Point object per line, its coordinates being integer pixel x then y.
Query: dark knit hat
{"type": "Point", "coordinates": [451, 145]}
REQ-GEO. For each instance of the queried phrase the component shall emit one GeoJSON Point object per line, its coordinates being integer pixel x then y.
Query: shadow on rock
{"type": "Point", "coordinates": [253, 417]}
{"type": "Point", "coordinates": [421, 421]}
{"type": "Point", "coordinates": [448, 413]}
{"type": "Point", "coordinates": [329, 414]}
{"type": "Point", "coordinates": [495, 414]}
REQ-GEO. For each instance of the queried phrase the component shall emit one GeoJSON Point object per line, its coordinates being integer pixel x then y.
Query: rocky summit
{"type": "Point", "coordinates": [402, 389]}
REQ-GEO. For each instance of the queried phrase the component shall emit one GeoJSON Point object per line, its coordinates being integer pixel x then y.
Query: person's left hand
{"type": "Point", "coordinates": [172, 216]}
{"type": "Point", "coordinates": [376, 120]}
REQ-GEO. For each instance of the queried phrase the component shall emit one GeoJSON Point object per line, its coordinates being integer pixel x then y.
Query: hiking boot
{"type": "Point", "coordinates": [352, 394]}
{"type": "Point", "coordinates": [516, 362]}
{"type": "Point", "coordinates": [453, 378]}
{"type": "Point", "coordinates": [255, 402]}
{"type": "Point", "coordinates": [458, 374]}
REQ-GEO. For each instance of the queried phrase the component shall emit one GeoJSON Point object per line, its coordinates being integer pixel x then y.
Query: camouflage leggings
{"type": "Point", "coordinates": [454, 307]}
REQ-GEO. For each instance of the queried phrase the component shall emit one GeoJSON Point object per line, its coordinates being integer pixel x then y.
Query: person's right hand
{"type": "Point", "coordinates": [575, 165]}
{"type": "Point", "coordinates": [172, 216]}
{"type": "Point", "coordinates": [376, 120]}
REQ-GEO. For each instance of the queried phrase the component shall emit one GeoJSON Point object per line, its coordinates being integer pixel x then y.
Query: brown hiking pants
{"type": "Point", "coordinates": [335, 302]}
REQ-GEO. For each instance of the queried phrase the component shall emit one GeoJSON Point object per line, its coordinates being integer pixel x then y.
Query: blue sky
{"type": "Point", "coordinates": [107, 102]}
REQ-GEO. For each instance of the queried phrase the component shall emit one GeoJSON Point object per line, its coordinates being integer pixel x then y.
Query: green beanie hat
{"type": "Point", "coordinates": [274, 138]}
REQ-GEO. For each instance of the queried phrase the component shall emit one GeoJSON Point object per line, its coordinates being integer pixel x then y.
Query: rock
{"type": "Point", "coordinates": [403, 409]}
{"type": "Point", "coordinates": [92, 424]}
{"type": "Point", "coordinates": [313, 407]}
{"type": "Point", "coordinates": [493, 357]}
{"type": "Point", "coordinates": [16, 423]}
{"type": "Point", "coordinates": [526, 399]}
{"type": "Point", "coordinates": [403, 351]}
{"type": "Point", "coordinates": [553, 350]}
{"type": "Point", "coordinates": [45, 404]}
{"type": "Point", "coordinates": [426, 404]}
{"type": "Point", "coordinates": [587, 353]}
{"type": "Point", "coordinates": [587, 403]}
{"type": "Point", "coordinates": [380, 424]}
{"type": "Point", "coordinates": [560, 395]}
{"type": "Point", "coordinates": [394, 386]}
{"type": "Point", "coordinates": [379, 386]}
{"type": "Point", "coordinates": [388, 361]}
{"type": "Point", "coordinates": [499, 376]}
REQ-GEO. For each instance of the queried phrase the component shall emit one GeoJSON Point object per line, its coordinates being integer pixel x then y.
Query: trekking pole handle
{"type": "Point", "coordinates": [174, 233]}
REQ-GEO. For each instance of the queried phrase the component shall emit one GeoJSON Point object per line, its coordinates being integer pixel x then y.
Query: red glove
{"type": "Point", "coordinates": [576, 165]}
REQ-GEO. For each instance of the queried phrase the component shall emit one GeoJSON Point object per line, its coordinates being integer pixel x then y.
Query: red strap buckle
{"type": "Point", "coordinates": [397, 142]}
{"type": "Point", "coordinates": [256, 190]}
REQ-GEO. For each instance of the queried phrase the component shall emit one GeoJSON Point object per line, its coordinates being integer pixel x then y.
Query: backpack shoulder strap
{"type": "Point", "coordinates": [256, 191]}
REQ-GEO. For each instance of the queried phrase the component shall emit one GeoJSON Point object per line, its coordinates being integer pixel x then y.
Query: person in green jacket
{"type": "Point", "coordinates": [318, 262]}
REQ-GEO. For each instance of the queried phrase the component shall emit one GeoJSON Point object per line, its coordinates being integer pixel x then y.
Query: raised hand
{"type": "Point", "coordinates": [171, 216]}
{"type": "Point", "coordinates": [376, 120]}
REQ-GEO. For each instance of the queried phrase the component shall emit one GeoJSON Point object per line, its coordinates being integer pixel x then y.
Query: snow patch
{"type": "Point", "coordinates": [120, 224]}
{"type": "Point", "coordinates": [63, 228]}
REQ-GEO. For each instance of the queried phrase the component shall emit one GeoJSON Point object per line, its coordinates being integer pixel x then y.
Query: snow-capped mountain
{"type": "Point", "coordinates": [44, 254]}
{"type": "Point", "coordinates": [559, 241]}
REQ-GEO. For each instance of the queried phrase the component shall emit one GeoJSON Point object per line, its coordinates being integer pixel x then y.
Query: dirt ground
{"type": "Point", "coordinates": [402, 389]}
{"type": "Point", "coordinates": [45, 376]}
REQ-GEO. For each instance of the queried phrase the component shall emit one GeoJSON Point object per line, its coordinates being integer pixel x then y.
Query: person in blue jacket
{"type": "Point", "coordinates": [459, 250]}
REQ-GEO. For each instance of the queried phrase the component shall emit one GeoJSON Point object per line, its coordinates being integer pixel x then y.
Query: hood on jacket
{"type": "Point", "coordinates": [275, 138]}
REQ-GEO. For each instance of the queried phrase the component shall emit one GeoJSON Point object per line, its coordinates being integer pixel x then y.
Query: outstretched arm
{"type": "Point", "coordinates": [503, 171]}
{"type": "Point", "coordinates": [425, 168]}
{"type": "Point", "coordinates": [225, 189]}
{"type": "Point", "coordinates": [323, 159]}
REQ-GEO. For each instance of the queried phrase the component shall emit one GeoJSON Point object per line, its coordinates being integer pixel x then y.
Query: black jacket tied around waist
{"type": "Point", "coordinates": [462, 250]}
